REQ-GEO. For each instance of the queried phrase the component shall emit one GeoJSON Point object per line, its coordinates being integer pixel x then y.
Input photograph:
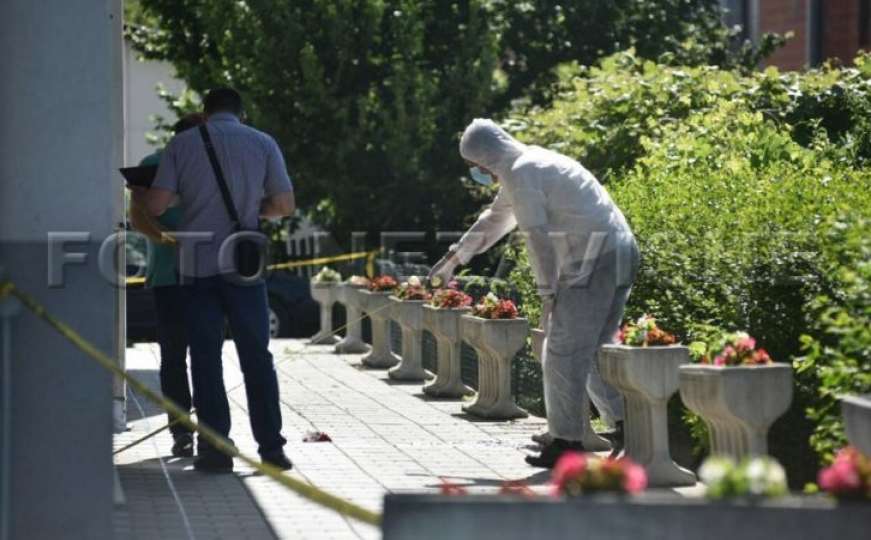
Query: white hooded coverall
{"type": "Point", "coordinates": [582, 252]}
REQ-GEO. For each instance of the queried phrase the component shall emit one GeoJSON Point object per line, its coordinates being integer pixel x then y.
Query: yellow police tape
{"type": "Point", "coordinates": [368, 255]}
{"type": "Point", "coordinates": [214, 439]}
{"type": "Point", "coordinates": [161, 429]}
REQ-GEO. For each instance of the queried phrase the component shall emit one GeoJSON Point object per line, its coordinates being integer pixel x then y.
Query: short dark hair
{"type": "Point", "coordinates": [223, 100]}
{"type": "Point", "coordinates": [187, 122]}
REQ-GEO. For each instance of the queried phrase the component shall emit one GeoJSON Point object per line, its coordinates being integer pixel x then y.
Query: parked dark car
{"type": "Point", "coordinates": [292, 311]}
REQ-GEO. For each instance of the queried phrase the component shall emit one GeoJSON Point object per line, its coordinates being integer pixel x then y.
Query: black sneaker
{"type": "Point", "coordinates": [183, 445]}
{"type": "Point", "coordinates": [213, 462]}
{"type": "Point", "coordinates": [277, 459]}
{"type": "Point", "coordinates": [543, 439]}
{"type": "Point", "coordinates": [551, 453]}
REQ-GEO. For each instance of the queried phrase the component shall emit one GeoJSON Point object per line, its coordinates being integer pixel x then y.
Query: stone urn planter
{"type": "Point", "coordinates": [409, 315]}
{"type": "Point", "coordinates": [738, 403]}
{"type": "Point", "coordinates": [591, 441]}
{"type": "Point", "coordinates": [647, 377]}
{"type": "Point", "coordinates": [444, 325]}
{"type": "Point", "coordinates": [496, 341]}
{"type": "Point", "coordinates": [353, 342]}
{"type": "Point", "coordinates": [325, 293]}
{"type": "Point", "coordinates": [856, 411]}
{"type": "Point", "coordinates": [378, 307]}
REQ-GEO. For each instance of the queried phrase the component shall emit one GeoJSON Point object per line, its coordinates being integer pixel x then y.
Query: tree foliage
{"type": "Point", "coordinates": [367, 97]}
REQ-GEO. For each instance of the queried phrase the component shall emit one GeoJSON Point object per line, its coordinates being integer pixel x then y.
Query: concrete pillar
{"type": "Point", "coordinates": [61, 140]}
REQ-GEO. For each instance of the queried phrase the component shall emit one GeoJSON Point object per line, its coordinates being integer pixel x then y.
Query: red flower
{"type": "Point", "coordinates": [449, 488]}
{"type": "Point", "coordinates": [382, 283]}
{"type": "Point", "coordinates": [746, 344]}
{"type": "Point", "coordinates": [761, 357]}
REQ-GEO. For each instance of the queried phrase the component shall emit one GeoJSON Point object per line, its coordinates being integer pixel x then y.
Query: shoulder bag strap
{"type": "Point", "coordinates": [219, 176]}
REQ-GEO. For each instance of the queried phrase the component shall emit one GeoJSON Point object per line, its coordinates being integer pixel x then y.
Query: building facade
{"type": "Point", "coordinates": [822, 29]}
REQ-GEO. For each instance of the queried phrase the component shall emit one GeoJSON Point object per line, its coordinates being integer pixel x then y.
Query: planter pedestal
{"type": "Point", "coordinates": [409, 315]}
{"type": "Point", "coordinates": [325, 294]}
{"type": "Point", "coordinates": [377, 307]}
{"type": "Point", "coordinates": [592, 441]}
{"type": "Point", "coordinates": [496, 342]}
{"type": "Point", "coordinates": [444, 324]}
{"type": "Point", "coordinates": [647, 377]}
{"type": "Point", "coordinates": [738, 404]}
{"type": "Point", "coordinates": [353, 342]}
{"type": "Point", "coordinates": [856, 411]}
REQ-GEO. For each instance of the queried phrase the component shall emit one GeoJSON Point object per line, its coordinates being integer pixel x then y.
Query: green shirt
{"type": "Point", "coordinates": [160, 270]}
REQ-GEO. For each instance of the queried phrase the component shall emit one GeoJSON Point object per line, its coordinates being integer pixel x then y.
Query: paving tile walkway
{"type": "Point", "coordinates": [387, 437]}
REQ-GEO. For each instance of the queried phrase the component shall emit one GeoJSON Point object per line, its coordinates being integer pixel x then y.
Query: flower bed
{"type": "Point", "coordinates": [493, 307]}
{"type": "Point", "coordinates": [849, 477]}
{"type": "Point", "coordinates": [576, 474]}
{"type": "Point", "coordinates": [733, 349]}
{"type": "Point", "coordinates": [755, 477]}
{"type": "Point", "coordinates": [450, 299]}
{"type": "Point", "coordinates": [643, 333]}
{"type": "Point", "coordinates": [413, 289]}
{"type": "Point", "coordinates": [383, 284]}
{"type": "Point", "coordinates": [327, 275]}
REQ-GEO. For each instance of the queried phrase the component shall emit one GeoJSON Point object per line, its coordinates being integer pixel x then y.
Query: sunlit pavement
{"type": "Point", "coordinates": [386, 438]}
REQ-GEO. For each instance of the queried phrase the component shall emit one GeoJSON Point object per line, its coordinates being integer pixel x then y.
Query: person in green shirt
{"type": "Point", "coordinates": [161, 276]}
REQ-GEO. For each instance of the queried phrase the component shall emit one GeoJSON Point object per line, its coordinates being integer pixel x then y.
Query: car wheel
{"type": "Point", "coordinates": [278, 320]}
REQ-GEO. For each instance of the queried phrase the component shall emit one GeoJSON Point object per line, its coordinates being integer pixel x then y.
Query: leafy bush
{"type": "Point", "coordinates": [731, 183]}
{"type": "Point", "coordinates": [838, 359]}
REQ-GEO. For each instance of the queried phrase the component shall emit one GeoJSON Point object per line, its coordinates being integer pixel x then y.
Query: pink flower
{"type": "Point", "coordinates": [720, 360]}
{"type": "Point", "coordinates": [842, 476]}
{"type": "Point", "coordinates": [746, 344]}
{"type": "Point", "coordinates": [634, 477]}
{"type": "Point", "coordinates": [570, 466]}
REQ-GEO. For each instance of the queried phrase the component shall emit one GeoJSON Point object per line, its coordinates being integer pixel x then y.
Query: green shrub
{"type": "Point", "coordinates": [731, 184]}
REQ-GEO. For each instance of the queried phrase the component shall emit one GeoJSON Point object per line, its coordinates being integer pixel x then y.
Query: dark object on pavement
{"type": "Point", "coordinates": [316, 436]}
{"type": "Point", "coordinates": [183, 446]}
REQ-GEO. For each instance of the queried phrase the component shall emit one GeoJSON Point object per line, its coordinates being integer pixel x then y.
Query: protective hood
{"type": "Point", "coordinates": [488, 145]}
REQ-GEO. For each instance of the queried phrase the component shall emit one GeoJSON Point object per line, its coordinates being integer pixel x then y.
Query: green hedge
{"type": "Point", "coordinates": [750, 200]}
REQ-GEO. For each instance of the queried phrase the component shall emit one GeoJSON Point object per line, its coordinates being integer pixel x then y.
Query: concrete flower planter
{"type": "Point", "coordinates": [856, 411]}
{"type": "Point", "coordinates": [325, 294]}
{"type": "Point", "coordinates": [377, 306]}
{"type": "Point", "coordinates": [409, 315]}
{"type": "Point", "coordinates": [738, 403]}
{"type": "Point", "coordinates": [591, 441]}
{"type": "Point", "coordinates": [645, 517]}
{"type": "Point", "coordinates": [496, 342]}
{"type": "Point", "coordinates": [444, 325]}
{"type": "Point", "coordinates": [353, 342]}
{"type": "Point", "coordinates": [647, 377]}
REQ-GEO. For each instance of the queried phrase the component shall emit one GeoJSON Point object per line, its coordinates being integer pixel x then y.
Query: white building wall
{"type": "Point", "coordinates": [141, 101]}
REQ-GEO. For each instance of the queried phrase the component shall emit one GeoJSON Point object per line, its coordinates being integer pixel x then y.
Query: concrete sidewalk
{"type": "Point", "coordinates": [387, 437]}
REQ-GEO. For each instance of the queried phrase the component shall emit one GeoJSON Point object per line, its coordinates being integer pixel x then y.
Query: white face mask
{"type": "Point", "coordinates": [481, 177]}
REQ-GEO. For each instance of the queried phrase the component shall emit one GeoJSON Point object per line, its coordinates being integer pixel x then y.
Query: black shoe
{"type": "Point", "coordinates": [277, 459]}
{"type": "Point", "coordinates": [213, 462]}
{"type": "Point", "coordinates": [543, 439]}
{"type": "Point", "coordinates": [183, 446]}
{"type": "Point", "coordinates": [616, 438]}
{"type": "Point", "coordinates": [551, 453]}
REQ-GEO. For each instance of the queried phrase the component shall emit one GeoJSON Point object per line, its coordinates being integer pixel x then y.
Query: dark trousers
{"type": "Point", "coordinates": [246, 309]}
{"type": "Point", "coordinates": [172, 337]}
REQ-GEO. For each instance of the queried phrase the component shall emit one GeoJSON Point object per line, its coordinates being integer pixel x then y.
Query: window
{"type": "Point", "coordinates": [738, 14]}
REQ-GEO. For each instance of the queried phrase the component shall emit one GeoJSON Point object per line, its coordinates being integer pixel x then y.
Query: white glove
{"type": "Point", "coordinates": [546, 311]}
{"type": "Point", "coordinates": [443, 270]}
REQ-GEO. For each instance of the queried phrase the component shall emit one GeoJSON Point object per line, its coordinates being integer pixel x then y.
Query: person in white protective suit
{"type": "Point", "coordinates": [584, 258]}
